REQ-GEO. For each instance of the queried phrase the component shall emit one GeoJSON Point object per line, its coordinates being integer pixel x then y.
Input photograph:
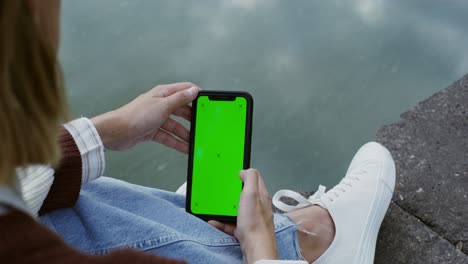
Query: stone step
{"type": "Point", "coordinates": [428, 222]}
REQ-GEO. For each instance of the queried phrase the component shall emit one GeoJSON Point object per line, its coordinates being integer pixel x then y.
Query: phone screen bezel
{"type": "Point", "coordinates": [223, 96]}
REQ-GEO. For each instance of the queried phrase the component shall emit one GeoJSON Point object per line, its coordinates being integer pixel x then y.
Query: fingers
{"type": "Point", "coordinates": [171, 141]}
{"type": "Point", "coordinates": [165, 90]}
{"type": "Point", "coordinates": [254, 176]}
{"type": "Point", "coordinates": [263, 190]}
{"type": "Point", "coordinates": [182, 98]}
{"type": "Point", "coordinates": [177, 129]}
{"type": "Point", "coordinates": [250, 178]}
{"type": "Point", "coordinates": [226, 228]}
{"type": "Point", "coordinates": [185, 112]}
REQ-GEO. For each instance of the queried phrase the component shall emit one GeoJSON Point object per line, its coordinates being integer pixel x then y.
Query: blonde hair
{"type": "Point", "coordinates": [32, 98]}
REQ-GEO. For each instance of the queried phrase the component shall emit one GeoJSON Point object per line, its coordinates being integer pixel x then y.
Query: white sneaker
{"type": "Point", "coordinates": [182, 189]}
{"type": "Point", "coordinates": [357, 205]}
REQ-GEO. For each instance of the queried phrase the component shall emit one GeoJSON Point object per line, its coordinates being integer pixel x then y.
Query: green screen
{"type": "Point", "coordinates": [218, 156]}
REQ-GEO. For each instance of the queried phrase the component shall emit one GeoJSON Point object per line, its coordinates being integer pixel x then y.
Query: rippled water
{"type": "Point", "coordinates": [324, 74]}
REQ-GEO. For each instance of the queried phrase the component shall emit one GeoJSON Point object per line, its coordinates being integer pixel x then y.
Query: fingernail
{"type": "Point", "coordinates": [192, 90]}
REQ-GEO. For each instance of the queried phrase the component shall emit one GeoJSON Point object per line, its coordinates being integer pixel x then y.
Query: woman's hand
{"type": "Point", "coordinates": [255, 228]}
{"type": "Point", "coordinates": [147, 118]}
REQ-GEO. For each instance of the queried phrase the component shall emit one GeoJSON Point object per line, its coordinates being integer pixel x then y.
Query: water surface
{"type": "Point", "coordinates": [325, 75]}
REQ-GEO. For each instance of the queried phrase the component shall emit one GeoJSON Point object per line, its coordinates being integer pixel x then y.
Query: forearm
{"type": "Point", "coordinates": [47, 188]}
{"type": "Point", "coordinates": [67, 176]}
{"type": "Point", "coordinates": [82, 161]}
{"type": "Point", "coordinates": [263, 247]}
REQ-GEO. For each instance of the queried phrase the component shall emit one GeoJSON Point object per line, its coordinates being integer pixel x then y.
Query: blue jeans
{"type": "Point", "coordinates": [112, 214]}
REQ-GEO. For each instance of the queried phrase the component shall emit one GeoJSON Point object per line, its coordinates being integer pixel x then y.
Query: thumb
{"type": "Point", "coordinates": [182, 97]}
{"type": "Point", "coordinates": [229, 229]}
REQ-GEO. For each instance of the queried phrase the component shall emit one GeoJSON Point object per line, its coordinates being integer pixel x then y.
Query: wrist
{"type": "Point", "coordinates": [257, 248]}
{"type": "Point", "coordinates": [110, 128]}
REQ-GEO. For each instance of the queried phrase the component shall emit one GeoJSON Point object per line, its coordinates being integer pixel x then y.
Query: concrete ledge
{"type": "Point", "coordinates": [430, 148]}
{"type": "Point", "coordinates": [405, 239]}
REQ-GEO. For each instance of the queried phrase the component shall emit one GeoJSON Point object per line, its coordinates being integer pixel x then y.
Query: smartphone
{"type": "Point", "coordinates": [220, 136]}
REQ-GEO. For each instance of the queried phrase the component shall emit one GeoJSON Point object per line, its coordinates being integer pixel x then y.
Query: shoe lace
{"type": "Point", "coordinates": [317, 197]}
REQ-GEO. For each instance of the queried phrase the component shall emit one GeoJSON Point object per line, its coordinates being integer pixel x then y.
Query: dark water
{"type": "Point", "coordinates": [324, 74]}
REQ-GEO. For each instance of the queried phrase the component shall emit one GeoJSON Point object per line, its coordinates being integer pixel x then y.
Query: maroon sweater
{"type": "Point", "coordinates": [25, 240]}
